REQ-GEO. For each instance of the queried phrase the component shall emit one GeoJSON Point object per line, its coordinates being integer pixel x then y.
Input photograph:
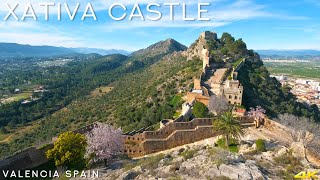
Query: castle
{"type": "Point", "coordinates": [213, 81]}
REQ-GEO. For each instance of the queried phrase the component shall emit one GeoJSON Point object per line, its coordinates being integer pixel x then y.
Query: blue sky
{"type": "Point", "coordinates": [263, 24]}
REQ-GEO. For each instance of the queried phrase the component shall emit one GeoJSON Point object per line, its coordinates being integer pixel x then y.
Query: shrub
{"type": "Point", "coordinates": [260, 145]}
{"type": "Point", "coordinates": [233, 146]}
{"type": "Point", "coordinates": [188, 154]}
{"type": "Point", "coordinates": [200, 110]}
{"type": "Point", "coordinates": [69, 150]}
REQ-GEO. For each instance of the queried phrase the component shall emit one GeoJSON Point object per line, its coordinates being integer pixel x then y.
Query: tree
{"type": "Point", "coordinates": [239, 47]}
{"type": "Point", "coordinates": [227, 38]}
{"type": "Point", "coordinates": [257, 113]}
{"type": "Point", "coordinates": [200, 110]}
{"type": "Point", "coordinates": [302, 130]}
{"type": "Point", "coordinates": [3, 130]}
{"type": "Point", "coordinates": [104, 142]}
{"type": "Point", "coordinates": [228, 126]}
{"type": "Point", "coordinates": [218, 105]}
{"type": "Point", "coordinates": [68, 150]}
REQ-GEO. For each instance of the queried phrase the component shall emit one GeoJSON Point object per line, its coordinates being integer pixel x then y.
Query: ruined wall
{"type": "Point", "coordinates": [26, 159]}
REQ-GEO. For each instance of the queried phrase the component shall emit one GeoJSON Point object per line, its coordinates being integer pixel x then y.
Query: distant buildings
{"type": "Point", "coordinates": [305, 90]}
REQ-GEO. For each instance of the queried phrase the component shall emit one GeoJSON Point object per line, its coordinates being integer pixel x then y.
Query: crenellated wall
{"type": "Point", "coordinates": [172, 135]}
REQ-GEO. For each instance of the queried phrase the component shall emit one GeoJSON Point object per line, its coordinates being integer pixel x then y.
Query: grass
{"type": "Point", "coordinates": [101, 91]}
{"type": "Point", "coordinates": [233, 146]}
{"type": "Point", "coordinates": [291, 164]}
{"type": "Point", "coordinates": [18, 132]}
{"type": "Point", "coordinates": [18, 97]}
{"type": "Point", "coordinates": [188, 154]}
{"type": "Point", "coordinates": [149, 163]}
{"type": "Point", "coordinates": [235, 64]}
{"type": "Point", "coordinates": [176, 100]}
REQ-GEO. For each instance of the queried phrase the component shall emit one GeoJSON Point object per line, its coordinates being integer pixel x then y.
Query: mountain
{"type": "Point", "coordinates": [272, 52]}
{"type": "Point", "coordinates": [19, 50]}
{"type": "Point", "coordinates": [100, 51]}
{"type": "Point", "coordinates": [163, 47]}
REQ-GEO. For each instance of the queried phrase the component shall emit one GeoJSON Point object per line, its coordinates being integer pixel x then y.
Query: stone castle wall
{"type": "Point", "coordinates": [170, 136]}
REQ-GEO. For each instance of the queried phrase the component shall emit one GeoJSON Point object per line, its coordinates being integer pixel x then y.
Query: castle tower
{"type": "Point", "coordinates": [205, 58]}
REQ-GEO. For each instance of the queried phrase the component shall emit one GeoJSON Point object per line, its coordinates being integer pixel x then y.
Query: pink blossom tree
{"type": "Point", "coordinates": [257, 113]}
{"type": "Point", "coordinates": [104, 142]}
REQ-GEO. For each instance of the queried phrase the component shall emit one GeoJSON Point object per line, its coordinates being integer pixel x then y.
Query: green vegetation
{"type": "Point", "coordinates": [69, 150]}
{"type": "Point", "coordinates": [233, 144]}
{"type": "Point", "coordinates": [200, 110]}
{"type": "Point", "coordinates": [149, 163]}
{"type": "Point", "coordinates": [235, 64]}
{"type": "Point", "coordinates": [227, 126]}
{"type": "Point", "coordinates": [260, 145]}
{"type": "Point", "coordinates": [261, 90]}
{"type": "Point", "coordinates": [292, 165]}
{"type": "Point", "coordinates": [176, 101]}
{"type": "Point", "coordinates": [188, 154]}
{"type": "Point", "coordinates": [140, 98]}
{"type": "Point", "coordinates": [308, 69]}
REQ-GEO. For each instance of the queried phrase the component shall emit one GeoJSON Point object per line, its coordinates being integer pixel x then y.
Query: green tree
{"type": "Point", "coordinates": [69, 150]}
{"type": "Point", "coordinates": [200, 110]}
{"type": "Point", "coordinates": [227, 38]}
{"type": "Point", "coordinates": [228, 126]}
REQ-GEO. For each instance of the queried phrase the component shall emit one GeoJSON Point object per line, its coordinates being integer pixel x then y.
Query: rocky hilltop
{"type": "Point", "coordinates": [163, 47]}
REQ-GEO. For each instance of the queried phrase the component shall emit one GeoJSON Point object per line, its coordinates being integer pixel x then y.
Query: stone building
{"type": "Point", "coordinates": [198, 93]}
{"type": "Point", "coordinates": [208, 35]}
{"type": "Point", "coordinates": [233, 91]}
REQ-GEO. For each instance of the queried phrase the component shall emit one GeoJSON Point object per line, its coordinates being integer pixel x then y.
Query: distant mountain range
{"type": "Point", "coordinates": [306, 52]}
{"type": "Point", "coordinates": [20, 50]}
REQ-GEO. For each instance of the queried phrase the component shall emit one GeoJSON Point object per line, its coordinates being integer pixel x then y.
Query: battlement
{"type": "Point", "coordinates": [208, 35]}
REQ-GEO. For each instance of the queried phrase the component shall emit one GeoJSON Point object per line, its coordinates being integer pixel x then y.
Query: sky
{"type": "Point", "coordinates": [262, 24]}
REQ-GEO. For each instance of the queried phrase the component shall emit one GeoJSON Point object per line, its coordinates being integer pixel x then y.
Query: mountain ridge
{"type": "Point", "coordinates": [14, 50]}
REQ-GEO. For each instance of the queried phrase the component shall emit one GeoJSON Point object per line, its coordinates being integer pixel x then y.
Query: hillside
{"type": "Point", "coordinates": [206, 160]}
{"type": "Point", "coordinates": [136, 83]}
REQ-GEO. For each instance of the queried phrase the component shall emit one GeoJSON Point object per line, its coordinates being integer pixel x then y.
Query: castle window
{"type": "Point", "coordinates": [235, 97]}
{"type": "Point", "coordinates": [125, 151]}
{"type": "Point", "coordinates": [132, 138]}
{"type": "Point", "coordinates": [129, 138]}
{"type": "Point", "coordinates": [229, 102]}
{"type": "Point", "coordinates": [230, 96]}
{"type": "Point", "coordinates": [138, 139]}
{"type": "Point", "coordinates": [140, 151]}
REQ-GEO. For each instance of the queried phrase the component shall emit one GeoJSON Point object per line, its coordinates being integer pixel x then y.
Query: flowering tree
{"type": "Point", "coordinates": [257, 113]}
{"type": "Point", "coordinates": [104, 142]}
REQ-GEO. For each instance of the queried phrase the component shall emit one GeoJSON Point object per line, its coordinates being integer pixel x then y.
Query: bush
{"type": "Point", "coordinates": [188, 154]}
{"type": "Point", "coordinates": [260, 145]}
{"type": "Point", "coordinates": [200, 110]}
{"type": "Point", "coordinates": [69, 150]}
{"type": "Point", "coordinates": [233, 147]}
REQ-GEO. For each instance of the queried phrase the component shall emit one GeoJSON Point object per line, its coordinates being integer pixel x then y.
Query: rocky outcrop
{"type": "Point", "coordinates": [195, 50]}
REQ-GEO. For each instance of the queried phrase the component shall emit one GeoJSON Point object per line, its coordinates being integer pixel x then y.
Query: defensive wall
{"type": "Point", "coordinates": [172, 135]}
